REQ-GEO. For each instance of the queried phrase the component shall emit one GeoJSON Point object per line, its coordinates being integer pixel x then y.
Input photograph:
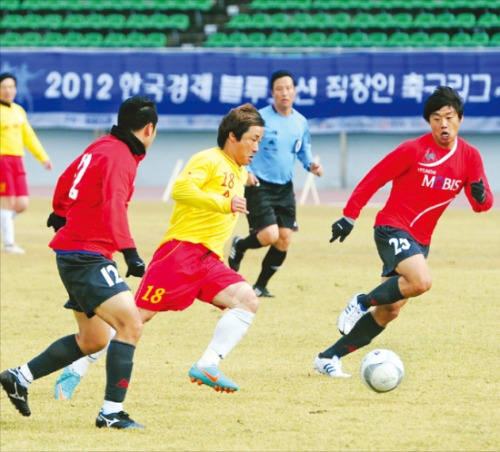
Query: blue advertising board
{"type": "Point", "coordinates": [346, 91]}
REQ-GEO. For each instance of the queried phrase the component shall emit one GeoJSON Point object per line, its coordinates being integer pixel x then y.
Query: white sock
{"type": "Point", "coordinates": [7, 226]}
{"type": "Point", "coordinates": [230, 329]}
{"type": "Point", "coordinates": [80, 366]}
{"type": "Point", "coordinates": [25, 375]}
{"type": "Point", "coordinates": [111, 407]}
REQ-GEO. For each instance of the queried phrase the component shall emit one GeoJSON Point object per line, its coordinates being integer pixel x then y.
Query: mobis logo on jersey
{"type": "Point", "coordinates": [431, 178]}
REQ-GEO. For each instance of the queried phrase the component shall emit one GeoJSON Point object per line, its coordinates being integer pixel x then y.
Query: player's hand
{"type": "Point", "coordinates": [478, 191]}
{"type": "Point", "coordinates": [341, 228]}
{"type": "Point", "coordinates": [239, 204]}
{"type": "Point", "coordinates": [136, 266]}
{"type": "Point", "coordinates": [55, 221]}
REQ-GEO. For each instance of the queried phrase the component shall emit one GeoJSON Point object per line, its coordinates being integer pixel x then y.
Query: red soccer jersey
{"type": "Point", "coordinates": [93, 194]}
{"type": "Point", "coordinates": [425, 179]}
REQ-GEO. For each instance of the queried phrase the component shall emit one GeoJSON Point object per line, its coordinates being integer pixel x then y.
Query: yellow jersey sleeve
{"type": "Point", "coordinates": [202, 194]}
{"type": "Point", "coordinates": [16, 132]}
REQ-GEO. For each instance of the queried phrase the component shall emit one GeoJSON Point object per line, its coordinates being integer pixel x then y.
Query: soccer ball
{"type": "Point", "coordinates": [381, 370]}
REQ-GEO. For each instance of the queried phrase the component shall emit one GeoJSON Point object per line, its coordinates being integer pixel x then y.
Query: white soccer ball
{"type": "Point", "coordinates": [382, 370]}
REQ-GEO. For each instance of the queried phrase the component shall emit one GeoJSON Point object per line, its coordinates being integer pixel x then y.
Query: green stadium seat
{"type": "Point", "coordinates": [179, 21]}
{"type": "Point", "coordinates": [74, 39]}
{"type": "Point", "coordinates": [259, 5]}
{"type": "Point", "coordinates": [10, 39]}
{"type": "Point", "coordinates": [322, 20]}
{"type": "Point", "coordinates": [137, 21]}
{"type": "Point", "coordinates": [154, 39]}
{"type": "Point", "coordinates": [31, 39]}
{"type": "Point", "coordinates": [262, 21]}
{"type": "Point", "coordinates": [330, 5]}
{"type": "Point", "coordinates": [11, 5]}
{"type": "Point", "coordinates": [402, 20]}
{"type": "Point", "coordinates": [488, 20]}
{"type": "Point", "coordinates": [237, 39]}
{"type": "Point", "coordinates": [337, 39]}
{"type": "Point", "coordinates": [95, 21]}
{"type": "Point", "coordinates": [277, 39]}
{"type": "Point", "coordinates": [445, 20]}
{"type": "Point", "coordinates": [461, 40]}
{"type": "Point", "coordinates": [378, 39]}
{"type": "Point", "coordinates": [115, 21]}
{"type": "Point", "coordinates": [240, 21]}
{"type": "Point", "coordinates": [53, 39]}
{"type": "Point", "coordinates": [138, 39]}
{"type": "Point", "coordinates": [383, 20]}
{"type": "Point", "coordinates": [495, 40]}
{"type": "Point", "coordinates": [279, 20]}
{"type": "Point", "coordinates": [216, 40]}
{"type": "Point", "coordinates": [159, 21]}
{"type": "Point", "coordinates": [480, 38]}
{"type": "Point", "coordinates": [115, 39]}
{"type": "Point", "coordinates": [301, 21]}
{"type": "Point", "coordinates": [420, 39]}
{"type": "Point", "coordinates": [439, 38]}
{"type": "Point", "coordinates": [257, 39]}
{"type": "Point", "coordinates": [298, 39]}
{"type": "Point", "coordinates": [363, 20]}
{"type": "Point", "coordinates": [465, 20]}
{"type": "Point", "coordinates": [340, 20]}
{"type": "Point", "coordinates": [358, 39]}
{"type": "Point", "coordinates": [92, 39]}
{"type": "Point", "coordinates": [52, 21]}
{"type": "Point", "coordinates": [399, 39]}
{"type": "Point", "coordinates": [33, 5]}
{"type": "Point", "coordinates": [12, 22]}
{"type": "Point", "coordinates": [317, 39]}
{"type": "Point", "coordinates": [424, 20]}
{"type": "Point", "coordinates": [74, 21]}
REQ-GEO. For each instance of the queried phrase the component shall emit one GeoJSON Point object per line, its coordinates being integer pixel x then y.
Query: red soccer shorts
{"type": "Point", "coordinates": [179, 273]}
{"type": "Point", "coordinates": [13, 180]}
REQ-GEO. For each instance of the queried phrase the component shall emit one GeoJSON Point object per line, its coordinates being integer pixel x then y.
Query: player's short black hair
{"type": "Point", "coordinates": [238, 121]}
{"type": "Point", "coordinates": [5, 75]}
{"type": "Point", "coordinates": [136, 112]}
{"type": "Point", "coordinates": [279, 74]}
{"type": "Point", "coordinates": [443, 96]}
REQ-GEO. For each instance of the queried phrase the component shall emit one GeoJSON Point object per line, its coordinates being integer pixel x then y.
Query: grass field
{"type": "Point", "coordinates": [448, 339]}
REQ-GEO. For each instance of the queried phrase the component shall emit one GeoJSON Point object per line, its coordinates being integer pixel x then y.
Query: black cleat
{"type": "Point", "coordinates": [116, 420]}
{"type": "Point", "coordinates": [235, 256]}
{"type": "Point", "coordinates": [18, 394]}
{"type": "Point", "coordinates": [262, 292]}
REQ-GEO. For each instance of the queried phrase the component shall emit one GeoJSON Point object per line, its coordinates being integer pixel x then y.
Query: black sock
{"type": "Point", "coordinates": [270, 265]}
{"type": "Point", "coordinates": [250, 242]}
{"type": "Point", "coordinates": [119, 364]}
{"type": "Point", "coordinates": [361, 334]}
{"type": "Point", "coordinates": [58, 355]}
{"type": "Point", "coordinates": [386, 293]}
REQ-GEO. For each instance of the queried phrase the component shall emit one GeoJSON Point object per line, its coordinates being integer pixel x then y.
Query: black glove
{"type": "Point", "coordinates": [478, 191]}
{"type": "Point", "coordinates": [341, 228]}
{"type": "Point", "coordinates": [136, 266]}
{"type": "Point", "coordinates": [55, 221]}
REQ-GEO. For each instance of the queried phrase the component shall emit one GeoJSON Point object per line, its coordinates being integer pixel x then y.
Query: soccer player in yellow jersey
{"type": "Point", "coordinates": [15, 133]}
{"type": "Point", "coordinates": [188, 263]}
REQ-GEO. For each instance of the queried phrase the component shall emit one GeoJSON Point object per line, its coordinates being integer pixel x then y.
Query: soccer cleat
{"type": "Point", "coordinates": [13, 249]}
{"type": "Point", "coordinates": [262, 292]}
{"type": "Point", "coordinates": [331, 367]}
{"type": "Point", "coordinates": [116, 420]}
{"type": "Point", "coordinates": [211, 376]}
{"type": "Point", "coordinates": [18, 394]}
{"type": "Point", "coordinates": [66, 384]}
{"type": "Point", "coordinates": [350, 315]}
{"type": "Point", "coordinates": [235, 256]}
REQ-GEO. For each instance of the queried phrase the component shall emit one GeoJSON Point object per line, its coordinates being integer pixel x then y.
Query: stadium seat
{"type": "Point", "coordinates": [424, 20]}
{"type": "Point", "coordinates": [74, 21]}
{"type": "Point", "coordinates": [378, 39]}
{"type": "Point", "coordinates": [179, 21]}
{"type": "Point", "coordinates": [480, 38]}
{"type": "Point", "coordinates": [402, 20]}
{"type": "Point", "coordinates": [340, 20]}
{"type": "Point", "coordinates": [138, 39]}
{"type": "Point", "coordinates": [95, 21]}
{"type": "Point", "coordinates": [461, 40]}
{"type": "Point", "coordinates": [297, 39]}
{"type": "Point", "coordinates": [419, 39]}
{"type": "Point", "coordinates": [11, 5]}
{"type": "Point", "coordinates": [159, 21]}
{"type": "Point", "coordinates": [279, 20]}
{"type": "Point", "coordinates": [240, 21]}
{"type": "Point", "coordinates": [31, 39]}
{"type": "Point", "coordinates": [444, 20]}
{"type": "Point", "coordinates": [277, 39]}
{"type": "Point", "coordinates": [322, 20]}
{"type": "Point", "coordinates": [495, 40]}
{"type": "Point", "coordinates": [52, 21]}
{"type": "Point", "coordinates": [439, 38]}
{"type": "Point", "coordinates": [154, 39]}
{"type": "Point", "coordinates": [137, 21]}
{"type": "Point", "coordinates": [92, 39]}
{"type": "Point", "coordinates": [399, 39]}
{"type": "Point", "coordinates": [10, 39]}
{"type": "Point", "coordinates": [53, 39]}
{"type": "Point", "coordinates": [363, 20]}
{"type": "Point", "coordinates": [358, 39]}
{"type": "Point", "coordinates": [337, 39]}
{"type": "Point", "coordinates": [465, 20]}
{"type": "Point", "coordinates": [115, 39]}
{"type": "Point", "coordinates": [301, 21]}
{"type": "Point", "coordinates": [257, 39]}
{"type": "Point", "coordinates": [237, 39]}
{"type": "Point", "coordinates": [316, 39]}
{"type": "Point", "coordinates": [115, 21]}
{"type": "Point", "coordinates": [261, 21]}
{"type": "Point", "coordinates": [12, 22]}
{"type": "Point", "coordinates": [216, 40]}
{"type": "Point", "coordinates": [488, 20]}
{"type": "Point", "coordinates": [383, 20]}
{"type": "Point", "coordinates": [73, 39]}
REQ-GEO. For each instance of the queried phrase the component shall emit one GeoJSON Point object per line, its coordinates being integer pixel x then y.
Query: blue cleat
{"type": "Point", "coordinates": [66, 385]}
{"type": "Point", "coordinates": [213, 377]}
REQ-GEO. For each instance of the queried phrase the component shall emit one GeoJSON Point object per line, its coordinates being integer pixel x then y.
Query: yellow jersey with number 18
{"type": "Point", "coordinates": [202, 195]}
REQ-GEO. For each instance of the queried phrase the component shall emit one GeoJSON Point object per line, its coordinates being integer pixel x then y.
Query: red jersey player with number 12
{"type": "Point", "coordinates": [427, 174]}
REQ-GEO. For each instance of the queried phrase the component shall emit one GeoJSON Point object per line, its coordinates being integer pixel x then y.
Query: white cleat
{"type": "Point", "coordinates": [13, 249]}
{"type": "Point", "coordinates": [330, 367]}
{"type": "Point", "coordinates": [350, 315]}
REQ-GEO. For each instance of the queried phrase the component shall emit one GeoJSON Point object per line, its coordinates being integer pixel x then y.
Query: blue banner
{"type": "Point", "coordinates": [346, 91]}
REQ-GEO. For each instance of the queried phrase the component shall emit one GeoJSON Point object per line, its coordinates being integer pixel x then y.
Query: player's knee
{"type": "Point", "coordinates": [251, 301]}
{"type": "Point", "coordinates": [422, 285]}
